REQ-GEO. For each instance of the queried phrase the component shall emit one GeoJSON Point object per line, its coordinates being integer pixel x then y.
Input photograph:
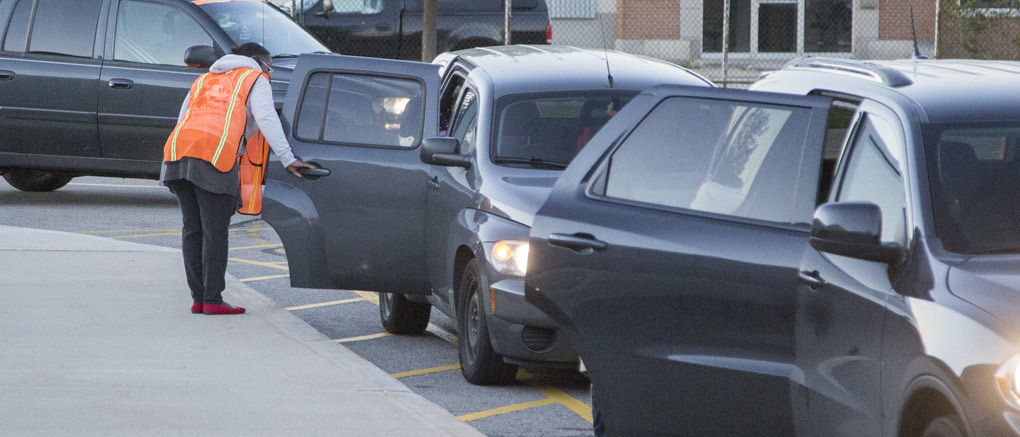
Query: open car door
{"type": "Point", "coordinates": [357, 222]}
{"type": "Point", "coordinates": [669, 250]}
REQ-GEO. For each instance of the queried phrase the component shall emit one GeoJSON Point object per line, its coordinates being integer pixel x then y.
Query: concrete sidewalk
{"type": "Point", "coordinates": [96, 338]}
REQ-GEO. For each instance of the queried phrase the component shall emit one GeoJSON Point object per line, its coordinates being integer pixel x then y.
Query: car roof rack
{"type": "Point", "coordinates": [866, 70]}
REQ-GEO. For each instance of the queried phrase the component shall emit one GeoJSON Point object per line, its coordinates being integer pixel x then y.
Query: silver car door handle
{"type": "Point", "coordinates": [583, 243]}
{"type": "Point", "coordinates": [6, 75]}
{"type": "Point", "coordinates": [313, 173]}
{"type": "Point", "coordinates": [812, 278]}
{"type": "Point", "coordinates": [123, 84]}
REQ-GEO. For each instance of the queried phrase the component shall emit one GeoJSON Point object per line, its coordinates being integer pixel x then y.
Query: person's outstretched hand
{"type": "Point", "coordinates": [296, 165]}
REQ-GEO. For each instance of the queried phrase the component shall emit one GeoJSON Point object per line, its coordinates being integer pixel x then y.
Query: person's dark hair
{"type": "Point", "coordinates": [251, 50]}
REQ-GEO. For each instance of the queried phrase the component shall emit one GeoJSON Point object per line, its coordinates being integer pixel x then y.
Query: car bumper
{"type": "Point", "coordinates": [507, 302]}
{"type": "Point", "coordinates": [522, 333]}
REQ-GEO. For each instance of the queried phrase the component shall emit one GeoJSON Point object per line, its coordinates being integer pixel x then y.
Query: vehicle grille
{"type": "Point", "coordinates": [538, 339]}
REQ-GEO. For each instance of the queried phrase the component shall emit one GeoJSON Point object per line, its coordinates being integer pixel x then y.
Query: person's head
{"type": "Point", "coordinates": [258, 53]}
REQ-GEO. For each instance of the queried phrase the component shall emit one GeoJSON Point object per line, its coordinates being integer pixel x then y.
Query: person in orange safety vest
{"type": "Point", "coordinates": [214, 162]}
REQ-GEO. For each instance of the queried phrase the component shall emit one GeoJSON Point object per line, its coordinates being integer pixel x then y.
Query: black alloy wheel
{"type": "Point", "coordinates": [35, 180]}
{"type": "Point", "coordinates": [479, 363]}
{"type": "Point", "coordinates": [402, 316]}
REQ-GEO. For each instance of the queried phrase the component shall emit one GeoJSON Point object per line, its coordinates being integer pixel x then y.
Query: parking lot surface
{"type": "Point", "coordinates": [537, 403]}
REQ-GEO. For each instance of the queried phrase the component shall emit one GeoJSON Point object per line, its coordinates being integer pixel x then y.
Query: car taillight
{"type": "Point", "coordinates": [548, 32]}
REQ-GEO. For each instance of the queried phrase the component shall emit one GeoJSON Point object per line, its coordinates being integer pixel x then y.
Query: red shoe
{"type": "Point", "coordinates": [196, 308]}
{"type": "Point", "coordinates": [223, 308]}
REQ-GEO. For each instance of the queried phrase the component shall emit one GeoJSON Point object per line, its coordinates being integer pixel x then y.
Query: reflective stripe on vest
{"type": "Point", "coordinates": [251, 173]}
{"type": "Point", "coordinates": [213, 125]}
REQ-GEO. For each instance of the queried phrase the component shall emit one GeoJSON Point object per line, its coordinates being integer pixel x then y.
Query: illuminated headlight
{"type": "Point", "coordinates": [1008, 379]}
{"type": "Point", "coordinates": [510, 257]}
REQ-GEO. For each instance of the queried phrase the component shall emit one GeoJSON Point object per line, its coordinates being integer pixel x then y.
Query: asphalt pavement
{"type": "Point", "coordinates": [96, 338]}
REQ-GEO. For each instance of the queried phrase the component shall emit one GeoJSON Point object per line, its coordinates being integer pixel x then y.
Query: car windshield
{"type": "Point", "coordinates": [974, 169]}
{"type": "Point", "coordinates": [259, 22]}
{"type": "Point", "coordinates": [546, 130]}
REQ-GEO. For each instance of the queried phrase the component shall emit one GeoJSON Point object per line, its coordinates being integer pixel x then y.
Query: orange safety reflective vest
{"type": "Point", "coordinates": [213, 127]}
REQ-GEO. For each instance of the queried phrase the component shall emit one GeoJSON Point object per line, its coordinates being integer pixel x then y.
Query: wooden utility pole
{"type": "Point", "coordinates": [428, 31]}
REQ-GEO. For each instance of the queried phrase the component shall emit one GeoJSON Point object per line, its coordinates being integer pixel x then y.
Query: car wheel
{"type": "Point", "coordinates": [402, 316]}
{"type": "Point", "coordinates": [945, 426]}
{"type": "Point", "coordinates": [479, 363]}
{"type": "Point", "coordinates": [35, 180]}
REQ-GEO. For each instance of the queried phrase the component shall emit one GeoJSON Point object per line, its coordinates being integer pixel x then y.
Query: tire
{"type": "Point", "coordinates": [479, 363]}
{"type": "Point", "coordinates": [35, 180]}
{"type": "Point", "coordinates": [402, 316]}
{"type": "Point", "coordinates": [945, 426]}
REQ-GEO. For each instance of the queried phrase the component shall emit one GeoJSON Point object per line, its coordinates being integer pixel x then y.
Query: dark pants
{"type": "Point", "coordinates": [204, 239]}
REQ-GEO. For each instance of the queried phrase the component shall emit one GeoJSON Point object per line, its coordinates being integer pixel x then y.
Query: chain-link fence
{"type": "Point", "coordinates": [732, 41]}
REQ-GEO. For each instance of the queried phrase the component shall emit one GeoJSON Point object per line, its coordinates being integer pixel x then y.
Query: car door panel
{"type": "Point", "coordinates": [840, 316]}
{"type": "Point", "coordinates": [676, 309]}
{"type": "Point", "coordinates": [144, 79]}
{"type": "Point", "coordinates": [362, 226]}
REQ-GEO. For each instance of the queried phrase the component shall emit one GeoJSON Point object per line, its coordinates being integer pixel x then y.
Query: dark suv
{"type": "Point", "coordinates": [433, 175]}
{"type": "Point", "coordinates": [94, 87]}
{"type": "Point", "coordinates": [838, 259]}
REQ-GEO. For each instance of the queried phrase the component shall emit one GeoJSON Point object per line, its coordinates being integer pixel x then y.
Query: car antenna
{"type": "Point", "coordinates": [609, 73]}
{"type": "Point", "coordinates": [917, 51]}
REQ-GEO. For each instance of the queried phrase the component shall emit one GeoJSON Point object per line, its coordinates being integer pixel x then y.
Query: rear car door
{"type": "Point", "coordinates": [362, 225]}
{"type": "Point", "coordinates": [144, 78]}
{"type": "Point", "coordinates": [50, 79]}
{"type": "Point", "coordinates": [668, 253]}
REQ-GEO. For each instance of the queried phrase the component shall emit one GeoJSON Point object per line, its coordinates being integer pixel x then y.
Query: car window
{"type": "Point", "coordinates": [972, 169]}
{"type": "Point", "coordinates": [551, 128]}
{"type": "Point", "coordinates": [154, 33]}
{"type": "Point", "coordinates": [17, 29]}
{"type": "Point", "coordinates": [67, 28]}
{"type": "Point", "coordinates": [841, 116]}
{"type": "Point", "coordinates": [714, 156]}
{"type": "Point", "coordinates": [874, 174]}
{"type": "Point", "coordinates": [362, 7]}
{"type": "Point", "coordinates": [247, 21]}
{"type": "Point", "coordinates": [448, 101]}
{"type": "Point", "coordinates": [354, 109]}
{"type": "Point", "coordinates": [466, 123]}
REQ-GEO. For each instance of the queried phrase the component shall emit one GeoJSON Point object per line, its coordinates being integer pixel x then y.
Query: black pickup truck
{"type": "Point", "coordinates": [94, 87]}
{"type": "Point", "coordinates": [392, 28]}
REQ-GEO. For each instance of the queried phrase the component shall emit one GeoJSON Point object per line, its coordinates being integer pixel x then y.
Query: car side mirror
{"type": "Point", "coordinates": [853, 229]}
{"type": "Point", "coordinates": [327, 7]}
{"type": "Point", "coordinates": [443, 151]}
{"type": "Point", "coordinates": [199, 56]}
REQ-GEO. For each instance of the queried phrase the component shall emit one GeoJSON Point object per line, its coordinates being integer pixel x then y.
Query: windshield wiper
{"type": "Point", "coordinates": [533, 161]}
{"type": "Point", "coordinates": [285, 55]}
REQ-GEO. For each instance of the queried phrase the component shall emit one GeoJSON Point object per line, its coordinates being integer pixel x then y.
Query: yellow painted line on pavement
{"type": "Point", "coordinates": [363, 337]}
{"type": "Point", "coordinates": [324, 304]}
{"type": "Point", "coordinates": [370, 296]}
{"type": "Point", "coordinates": [580, 408]}
{"type": "Point", "coordinates": [258, 246]}
{"type": "Point", "coordinates": [260, 263]}
{"type": "Point", "coordinates": [263, 278]}
{"type": "Point", "coordinates": [116, 185]}
{"type": "Point", "coordinates": [506, 409]}
{"type": "Point", "coordinates": [426, 371]}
